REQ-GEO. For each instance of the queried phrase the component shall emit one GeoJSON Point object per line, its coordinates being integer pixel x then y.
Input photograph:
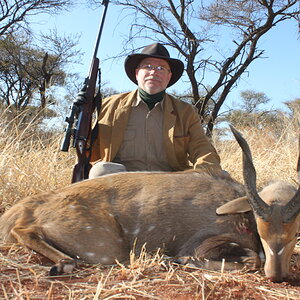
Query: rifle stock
{"type": "Point", "coordinates": [82, 115]}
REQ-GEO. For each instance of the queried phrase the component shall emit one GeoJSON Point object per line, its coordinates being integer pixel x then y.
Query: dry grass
{"type": "Point", "coordinates": [274, 154]}
{"type": "Point", "coordinates": [24, 276]}
{"type": "Point", "coordinates": [31, 162]}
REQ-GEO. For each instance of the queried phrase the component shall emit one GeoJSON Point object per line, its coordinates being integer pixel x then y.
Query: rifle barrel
{"type": "Point", "coordinates": [82, 113]}
{"type": "Point", "coordinates": [105, 3]}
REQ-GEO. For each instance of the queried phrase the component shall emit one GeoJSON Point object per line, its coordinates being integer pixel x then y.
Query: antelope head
{"type": "Point", "coordinates": [277, 216]}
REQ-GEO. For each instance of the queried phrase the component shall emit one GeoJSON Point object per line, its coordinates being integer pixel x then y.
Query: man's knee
{"type": "Point", "coordinates": [103, 168]}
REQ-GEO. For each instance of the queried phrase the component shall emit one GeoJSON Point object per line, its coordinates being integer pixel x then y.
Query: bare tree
{"type": "Point", "coordinates": [192, 28]}
{"type": "Point", "coordinates": [14, 13]}
{"type": "Point", "coordinates": [27, 71]}
{"type": "Point", "coordinates": [59, 51]}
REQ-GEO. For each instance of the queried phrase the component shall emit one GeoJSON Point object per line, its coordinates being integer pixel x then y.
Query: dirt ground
{"type": "Point", "coordinates": [24, 275]}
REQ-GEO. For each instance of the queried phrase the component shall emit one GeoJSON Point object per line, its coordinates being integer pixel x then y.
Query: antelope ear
{"type": "Point", "coordinates": [239, 205]}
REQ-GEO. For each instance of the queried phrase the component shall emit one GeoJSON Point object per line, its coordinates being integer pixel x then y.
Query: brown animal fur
{"type": "Point", "coordinates": [100, 220]}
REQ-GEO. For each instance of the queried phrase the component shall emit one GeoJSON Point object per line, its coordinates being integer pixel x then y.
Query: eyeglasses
{"type": "Point", "coordinates": [159, 69]}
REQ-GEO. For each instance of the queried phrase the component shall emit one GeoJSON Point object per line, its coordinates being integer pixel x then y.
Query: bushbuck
{"type": "Point", "coordinates": [101, 220]}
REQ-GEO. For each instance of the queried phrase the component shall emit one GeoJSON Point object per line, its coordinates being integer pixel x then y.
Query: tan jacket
{"type": "Point", "coordinates": [185, 141]}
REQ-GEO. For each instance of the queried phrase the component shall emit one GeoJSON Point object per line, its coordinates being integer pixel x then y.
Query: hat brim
{"type": "Point", "coordinates": [132, 61]}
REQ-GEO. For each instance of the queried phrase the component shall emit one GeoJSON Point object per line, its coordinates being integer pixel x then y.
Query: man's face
{"type": "Point", "coordinates": [150, 78]}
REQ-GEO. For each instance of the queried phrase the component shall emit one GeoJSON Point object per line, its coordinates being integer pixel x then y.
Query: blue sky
{"type": "Point", "coordinates": [277, 75]}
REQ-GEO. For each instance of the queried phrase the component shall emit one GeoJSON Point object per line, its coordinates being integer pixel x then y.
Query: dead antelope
{"type": "Point", "coordinates": [99, 220]}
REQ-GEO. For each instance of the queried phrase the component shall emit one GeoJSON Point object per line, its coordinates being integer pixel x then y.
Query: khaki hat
{"type": "Point", "coordinates": [156, 50]}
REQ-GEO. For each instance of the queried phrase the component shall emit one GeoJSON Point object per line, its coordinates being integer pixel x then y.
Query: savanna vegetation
{"type": "Point", "coordinates": [30, 162]}
{"type": "Point", "coordinates": [33, 68]}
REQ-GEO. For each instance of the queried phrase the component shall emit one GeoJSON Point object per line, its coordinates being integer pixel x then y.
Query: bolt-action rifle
{"type": "Point", "coordinates": [82, 114]}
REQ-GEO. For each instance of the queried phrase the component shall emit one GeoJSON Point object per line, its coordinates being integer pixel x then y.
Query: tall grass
{"type": "Point", "coordinates": [31, 162]}
{"type": "Point", "coordinates": [274, 151]}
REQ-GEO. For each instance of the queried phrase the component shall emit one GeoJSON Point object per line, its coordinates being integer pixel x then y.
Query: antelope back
{"type": "Point", "coordinates": [159, 209]}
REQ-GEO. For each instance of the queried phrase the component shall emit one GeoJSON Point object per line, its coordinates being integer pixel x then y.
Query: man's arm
{"type": "Point", "coordinates": [202, 153]}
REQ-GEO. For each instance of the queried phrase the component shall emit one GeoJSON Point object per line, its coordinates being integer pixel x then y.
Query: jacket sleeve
{"type": "Point", "coordinates": [105, 144]}
{"type": "Point", "coordinates": [97, 147]}
{"type": "Point", "coordinates": [202, 153]}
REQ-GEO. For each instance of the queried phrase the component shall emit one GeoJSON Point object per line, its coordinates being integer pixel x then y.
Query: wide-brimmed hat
{"type": "Point", "coordinates": [156, 50]}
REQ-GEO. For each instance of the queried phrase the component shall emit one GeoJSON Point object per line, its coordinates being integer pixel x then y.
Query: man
{"type": "Point", "coordinates": [148, 129]}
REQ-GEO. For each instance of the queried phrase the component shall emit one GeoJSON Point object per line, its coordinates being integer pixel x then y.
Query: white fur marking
{"type": "Point", "coordinates": [136, 231]}
{"type": "Point", "coordinates": [69, 268]}
{"type": "Point", "coordinates": [234, 244]}
{"type": "Point", "coordinates": [105, 259]}
{"type": "Point", "coordinates": [281, 251]}
{"type": "Point", "coordinates": [89, 254]}
{"type": "Point", "coordinates": [151, 227]}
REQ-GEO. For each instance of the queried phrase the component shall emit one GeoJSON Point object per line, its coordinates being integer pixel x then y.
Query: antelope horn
{"type": "Point", "coordinates": [292, 208]}
{"type": "Point", "coordinates": [258, 205]}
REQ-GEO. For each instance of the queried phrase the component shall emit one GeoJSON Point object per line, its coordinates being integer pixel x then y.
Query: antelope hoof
{"type": "Point", "coordinates": [189, 262]}
{"type": "Point", "coordinates": [252, 260]}
{"type": "Point", "coordinates": [64, 266]}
